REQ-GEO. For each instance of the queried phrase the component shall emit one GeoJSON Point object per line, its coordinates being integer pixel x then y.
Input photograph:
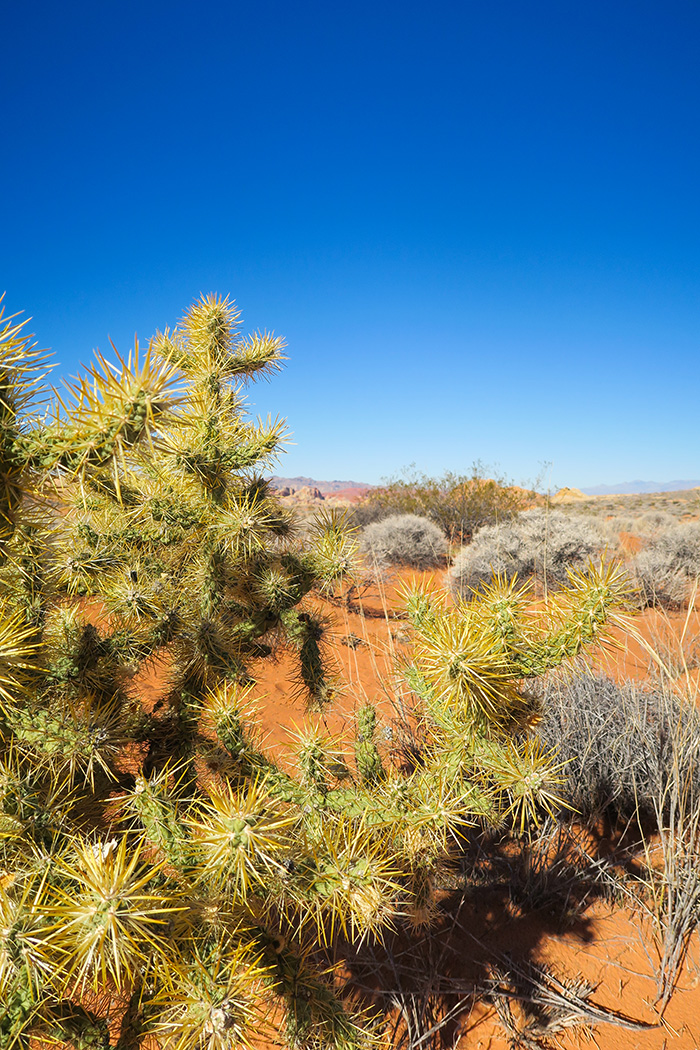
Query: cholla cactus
{"type": "Point", "coordinates": [163, 857]}
{"type": "Point", "coordinates": [471, 663]}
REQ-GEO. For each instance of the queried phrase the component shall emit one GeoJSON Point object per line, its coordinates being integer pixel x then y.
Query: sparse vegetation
{"type": "Point", "coordinates": [634, 754]}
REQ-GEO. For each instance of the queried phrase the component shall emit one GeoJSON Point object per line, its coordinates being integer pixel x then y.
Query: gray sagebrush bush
{"type": "Point", "coordinates": [404, 539]}
{"type": "Point", "coordinates": [668, 565]}
{"type": "Point", "coordinates": [543, 544]}
{"type": "Point", "coordinates": [649, 522]}
{"type": "Point", "coordinates": [619, 745]}
{"type": "Point", "coordinates": [645, 525]}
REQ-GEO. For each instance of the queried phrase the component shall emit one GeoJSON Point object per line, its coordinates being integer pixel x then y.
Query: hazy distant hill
{"type": "Point", "coordinates": [326, 487]}
{"type": "Point", "coordinates": [640, 486]}
{"type": "Point", "coordinates": [329, 488]}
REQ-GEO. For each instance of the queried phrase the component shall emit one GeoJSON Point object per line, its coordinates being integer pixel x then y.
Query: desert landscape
{"type": "Point", "coordinates": [349, 700]}
{"type": "Point", "coordinates": [409, 765]}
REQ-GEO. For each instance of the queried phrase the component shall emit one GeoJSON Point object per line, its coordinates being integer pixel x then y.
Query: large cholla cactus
{"type": "Point", "coordinates": [158, 861]}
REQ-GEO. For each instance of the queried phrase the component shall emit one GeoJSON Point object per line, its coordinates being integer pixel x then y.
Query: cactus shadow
{"type": "Point", "coordinates": [496, 908]}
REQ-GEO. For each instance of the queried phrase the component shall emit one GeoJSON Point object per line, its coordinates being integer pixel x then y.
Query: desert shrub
{"type": "Point", "coordinates": [611, 528]}
{"type": "Point", "coordinates": [540, 544]}
{"type": "Point", "coordinates": [644, 525]}
{"type": "Point", "coordinates": [669, 564]}
{"type": "Point", "coordinates": [404, 539]}
{"type": "Point", "coordinates": [458, 503]}
{"type": "Point", "coordinates": [619, 744]}
{"type": "Point", "coordinates": [652, 521]}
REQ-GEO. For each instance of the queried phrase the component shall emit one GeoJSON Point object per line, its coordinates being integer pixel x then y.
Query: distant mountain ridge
{"type": "Point", "coordinates": [329, 488]}
{"type": "Point", "coordinates": [640, 487]}
{"type": "Point", "coordinates": [326, 487]}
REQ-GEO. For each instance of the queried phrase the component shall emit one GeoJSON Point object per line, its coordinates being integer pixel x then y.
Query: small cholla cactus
{"type": "Point", "coordinates": [158, 853]}
{"type": "Point", "coordinates": [367, 757]}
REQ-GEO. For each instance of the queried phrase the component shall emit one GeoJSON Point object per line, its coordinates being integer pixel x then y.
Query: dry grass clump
{"type": "Point", "coordinates": [669, 564]}
{"type": "Point", "coordinates": [635, 754]}
{"type": "Point", "coordinates": [674, 654]}
{"type": "Point", "coordinates": [649, 522]}
{"type": "Point", "coordinates": [541, 544]}
{"type": "Point", "coordinates": [404, 539]}
{"type": "Point", "coordinates": [618, 743]}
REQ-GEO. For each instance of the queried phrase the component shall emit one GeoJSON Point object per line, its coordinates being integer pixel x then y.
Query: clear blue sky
{"type": "Point", "coordinates": [477, 224]}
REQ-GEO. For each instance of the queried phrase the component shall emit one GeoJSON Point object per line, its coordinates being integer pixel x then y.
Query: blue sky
{"type": "Point", "coordinates": [476, 224]}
